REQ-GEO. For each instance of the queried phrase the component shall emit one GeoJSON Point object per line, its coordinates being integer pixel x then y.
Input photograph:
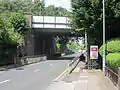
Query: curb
{"type": "Point", "coordinates": [69, 70]}
{"type": "Point", "coordinates": [5, 68]}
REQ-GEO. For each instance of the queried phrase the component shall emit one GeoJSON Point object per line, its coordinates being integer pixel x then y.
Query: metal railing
{"type": "Point", "coordinates": [112, 75]}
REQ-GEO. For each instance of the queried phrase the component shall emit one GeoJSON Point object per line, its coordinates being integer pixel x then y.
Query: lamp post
{"type": "Point", "coordinates": [86, 46]}
{"type": "Point", "coordinates": [104, 36]}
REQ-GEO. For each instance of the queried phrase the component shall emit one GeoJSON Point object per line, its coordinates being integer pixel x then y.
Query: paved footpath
{"type": "Point", "coordinates": [82, 79]}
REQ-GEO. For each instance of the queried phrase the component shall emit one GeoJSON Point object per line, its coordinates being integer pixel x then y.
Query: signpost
{"type": "Point", "coordinates": [93, 52]}
{"type": "Point", "coordinates": [93, 56]}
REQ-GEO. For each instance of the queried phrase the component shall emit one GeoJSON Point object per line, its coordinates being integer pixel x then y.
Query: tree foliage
{"type": "Point", "coordinates": [12, 31]}
{"type": "Point", "coordinates": [88, 14]}
{"type": "Point", "coordinates": [72, 44]}
{"type": "Point", "coordinates": [17, 20]}
{"type": "Point", "coordinates": [12, 27]}
{"type": "Point", "coordinates": [19, 23]}
{"type": "Point", "coordinates": [36, 7]}
{"type": "Point", "coordinates": [13, 23]}
{"type": "Point", "coordinates": [55, 11]}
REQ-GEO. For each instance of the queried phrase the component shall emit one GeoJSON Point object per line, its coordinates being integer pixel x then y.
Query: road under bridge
{"type": "Point", "coordinates": [43, 30]}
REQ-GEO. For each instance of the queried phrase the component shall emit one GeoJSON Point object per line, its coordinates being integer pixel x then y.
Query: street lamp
{"type": "Point", "coordinates": [104, 36]}
{"type": "Point", "coordinates": [86, 45]}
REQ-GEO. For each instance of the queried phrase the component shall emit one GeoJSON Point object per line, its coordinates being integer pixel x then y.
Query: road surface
{"type": "Point", "coordinates": [32, 77]}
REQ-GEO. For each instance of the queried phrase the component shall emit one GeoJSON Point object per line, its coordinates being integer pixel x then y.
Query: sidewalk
{"type": "Point", "coordinates": [94, 80]}
{"type": "Point", "coordinates": [82, 79]}
{"type": "Point", "coordinates": [6, 67]}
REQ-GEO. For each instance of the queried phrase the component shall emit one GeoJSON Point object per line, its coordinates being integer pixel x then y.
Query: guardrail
{"type": "Point", "coordinates": [73, 64]}
{"type": "Point", "coordinates": [73, 60]}
{"type": "Point", "coordinates": [112, 75]}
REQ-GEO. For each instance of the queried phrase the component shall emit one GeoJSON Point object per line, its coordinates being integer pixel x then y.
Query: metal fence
{"type": "Point", "coordinates": [112, 75]}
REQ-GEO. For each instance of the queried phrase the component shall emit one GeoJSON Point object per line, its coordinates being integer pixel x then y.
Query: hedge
{"type": "Point", "coordinates": [113, 60]}
{"type": "Point", "coordinates": [113, 46]}
{"type": "Point", "coordinates": [113, 53]}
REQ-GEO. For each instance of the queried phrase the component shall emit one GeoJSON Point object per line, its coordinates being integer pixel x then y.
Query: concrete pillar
{"type": "Point", "coordinates": [54, 44]}
{"type": "Point", "coordinates": [29, 41]}
{"type": "Point", "coordinates": [51, 45]}
{"type": "Point", "coordinates": [29, 20]}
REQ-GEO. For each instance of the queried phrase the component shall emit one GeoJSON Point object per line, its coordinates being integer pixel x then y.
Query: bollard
{"type": "Point", "coordinates": [119, 78]}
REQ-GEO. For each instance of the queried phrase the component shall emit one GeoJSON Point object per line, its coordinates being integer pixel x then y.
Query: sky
{"type": "Point", "coordinates": [63, 3]}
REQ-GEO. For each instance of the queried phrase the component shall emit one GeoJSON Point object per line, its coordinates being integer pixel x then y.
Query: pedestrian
{"type": "Point", "coordinates": [82, 57]}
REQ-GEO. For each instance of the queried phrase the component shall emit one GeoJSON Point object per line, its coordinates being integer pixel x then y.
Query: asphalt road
{"type": "Point", "coordinates": [32, 77]}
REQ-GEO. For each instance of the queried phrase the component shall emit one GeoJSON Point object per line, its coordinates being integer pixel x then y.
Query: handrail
{"type": "Point", "coordinates": [112, 71]}
{"type": "Point", "coordinates": [74, 60]}
{"type": "Point", "coordinates": [112, 75]}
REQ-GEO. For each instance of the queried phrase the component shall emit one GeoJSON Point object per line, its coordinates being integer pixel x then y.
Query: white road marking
{"type": "Point", "coordinates": [83, 81]}
{"type": "Point", "coordinates": [36, 70]}
{"type": "Point", "coordinates": [50, 64]}
{"type": "Point", "coordinates": [83, 76]}
{"type": "Point", "coordinates": [5, 81]}
{"type": "Point", "coordinates": [33, 64]}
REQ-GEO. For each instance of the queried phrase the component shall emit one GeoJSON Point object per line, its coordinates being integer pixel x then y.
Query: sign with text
{"type": "Point", "coordinates": [93, 52]}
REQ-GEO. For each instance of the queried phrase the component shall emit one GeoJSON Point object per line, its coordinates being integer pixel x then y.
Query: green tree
{"type": "Point", "coordinates": [88, 14]}
{"type": "Point", "coordinates": [11, 5]}
{"type": "Point", "coordinates": [12, 27]}
{"type": "Point", "coordinates": [12, 31]}
{"type": "Point", "coordinates": [72, 44]}
{"type": "Point", "coordinates": [38, 7]}
{"type": "Point", "coordinates": [63, 43]}
{"type": "Point", "coordinates": [27, 6]}
{"type": "Point", "coordinates": [19, 22]}
{"type": "Point", "coordinates": [35, 7]}
{"type": "Point", "coordinates": [51, 10]}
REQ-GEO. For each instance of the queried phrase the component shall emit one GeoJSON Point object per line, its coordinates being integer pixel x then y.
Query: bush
{"type": "Point", "coordinates": [19, 22]}
{"type": "Point", "coordinates": [113, 46]}
{"type": "Point", "coordinates": [113, 60]}
{"type": "Point", "coordinates": [12, 27]}
{"type": "Point", "coordinates": [73, 45]}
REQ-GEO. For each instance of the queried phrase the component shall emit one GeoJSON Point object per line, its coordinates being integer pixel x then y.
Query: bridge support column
{"type": "Point", "coordinates": [51, 45]}
{"type": "Point", "coordinates": [29, 43]}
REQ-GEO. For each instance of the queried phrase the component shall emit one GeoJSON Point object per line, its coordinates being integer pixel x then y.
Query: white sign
{"type": "Point", "coordinates": [93, 52]}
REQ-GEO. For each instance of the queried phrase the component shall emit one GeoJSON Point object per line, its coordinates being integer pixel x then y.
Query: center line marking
{"type": "Point", "coordinates": [36, 70]}
{"type": "Point", "coordinates": [5, 81]}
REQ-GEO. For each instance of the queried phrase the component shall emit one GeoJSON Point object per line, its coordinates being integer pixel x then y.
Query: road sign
{"type": "Point", "coordinates": [93, 52]}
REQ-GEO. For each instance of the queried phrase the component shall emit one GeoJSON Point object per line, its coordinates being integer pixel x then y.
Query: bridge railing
{"type": "Point", "coordinates": [50, 22]}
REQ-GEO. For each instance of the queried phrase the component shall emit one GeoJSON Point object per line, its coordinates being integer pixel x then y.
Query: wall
{"type": "Point", "coordinates": [29, 60]}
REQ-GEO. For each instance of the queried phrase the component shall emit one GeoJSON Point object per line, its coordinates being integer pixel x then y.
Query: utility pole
{"type": "Point", "coordinates": [104, 36]}
{"type": "Point", "coordinates": [86, 46]}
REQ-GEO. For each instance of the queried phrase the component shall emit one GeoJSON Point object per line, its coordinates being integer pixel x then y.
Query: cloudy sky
{"type": "Point", "coordinates": [63, 3]}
